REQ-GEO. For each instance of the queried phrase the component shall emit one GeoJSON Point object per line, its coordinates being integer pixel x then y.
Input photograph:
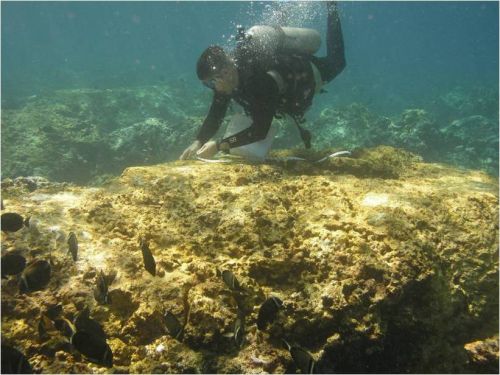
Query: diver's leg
{"type": "Point", "coordinates": [334, 61]}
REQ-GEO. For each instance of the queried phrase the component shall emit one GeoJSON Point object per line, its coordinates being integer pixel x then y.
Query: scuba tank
{"type": "Point", "coordinates": [266, 42]}
{"type": "Point", "coordinates": [269, 40]}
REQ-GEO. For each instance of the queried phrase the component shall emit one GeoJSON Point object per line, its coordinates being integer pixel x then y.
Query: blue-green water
{"type": "Point", "coordinates": [397, 52]}
{"type": "Point", "coordinates": [437, 59]}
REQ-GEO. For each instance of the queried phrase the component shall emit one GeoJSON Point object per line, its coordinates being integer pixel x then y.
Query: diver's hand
{"type": "Point", "coordinates": [191, 150]}
{"type": "Point", "coordinates": [208, 150]}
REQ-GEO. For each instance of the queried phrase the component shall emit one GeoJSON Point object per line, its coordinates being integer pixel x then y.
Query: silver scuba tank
{"type": "Point", "coordinates": [268, 40]}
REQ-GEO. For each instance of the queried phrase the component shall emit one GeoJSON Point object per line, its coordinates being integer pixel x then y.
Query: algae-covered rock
{"type": "Point", "coordinates": [483, 355]}
{"type": "Point", "coordinates": [381, 162]}
{"type": "Point", "coordinates": [383, 264]}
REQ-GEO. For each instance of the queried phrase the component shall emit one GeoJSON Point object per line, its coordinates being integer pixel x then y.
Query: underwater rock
{"type": "Point", "coordinates": [483, 356]}
{"type": "Point", "coordinates": [143, 327]}
{"type": "Point", "coordinates": [122, 302]}
{"type": "Point", "coordinates": [375, 254]}
{"type": "Point", "coordinates": [78, 135]}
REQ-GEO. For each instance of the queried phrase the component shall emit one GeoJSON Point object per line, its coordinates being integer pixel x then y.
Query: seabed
{"type": "Point", "coordinates": [383, 263]}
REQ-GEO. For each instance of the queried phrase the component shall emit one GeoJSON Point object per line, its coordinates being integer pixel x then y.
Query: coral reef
{"type": "Point", "coordinates": [383, 263]}
{"type": "Point", "coordinates": [79, 135]}
{"type": "Point", "coordinates": [468, 142]}
{"type": "Point", "coordinates": [88, 135]}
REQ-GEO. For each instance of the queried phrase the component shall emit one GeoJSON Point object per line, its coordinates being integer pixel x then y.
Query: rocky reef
{"type": "Point", "coordinates": [384, 263]}
{"type": "Point", "coordinates": [81, 135]}
{"type": "Point", "coordinates": [87, 135]}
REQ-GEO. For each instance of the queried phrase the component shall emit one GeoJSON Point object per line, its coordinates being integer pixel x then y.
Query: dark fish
{"type": "Point", "coordinates": [110, 277]}
{"type": "Point", "coordinates": [149, 261]}
{"type": "Point", "coordinates": [239, 331]}
{"type": "Point", "coordinates": [54, 311]}
{"type": "Point", "coordinates": [14, 362]}
{"type": "Point", "coordinates": [83, 322]}
{"type": "Point", "coordinates": [230, 280]}
{"type": "Point", "coordinates": [93, 347]}
{"type": "Point", "coordinates": [46, 327]}
{"type": "Point", "coordinates": [35, 276]}
{"type": "Point", "coordinates": [65, 327]}
{"type": "Point", "coordinates": [73, 245]}
{"type": "Point", "coordinates": [173, 325]}
{"type": "Point", "coordinates": [11, 222]}
{"type": "Point", "coordinates": [302, 358]}
{"type": "Point", "coordinates": [12, 264]}
{"type": "Point", "coordinates": [101, 289]}
{"type": "Point", "coordinates": [268, 311]}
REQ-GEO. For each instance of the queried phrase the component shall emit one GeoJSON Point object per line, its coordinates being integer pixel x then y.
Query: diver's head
{"type": "Point", "coordinates": [217, 70]}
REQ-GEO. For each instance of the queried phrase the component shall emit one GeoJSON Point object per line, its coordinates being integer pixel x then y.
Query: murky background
{"type": "Point", "coordinates": [106, 66]}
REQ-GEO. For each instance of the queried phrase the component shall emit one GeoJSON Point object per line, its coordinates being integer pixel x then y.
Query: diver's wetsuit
{"type": "Point", "coordinates": [263, 98]}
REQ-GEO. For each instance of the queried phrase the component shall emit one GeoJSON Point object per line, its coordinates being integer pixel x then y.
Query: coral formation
{"type": "Point", "coordinates": [383, 263]}
{"type": "Point", "coordinates": [88, 135]}
{"type": "Point", "coordinates": [78, 135]}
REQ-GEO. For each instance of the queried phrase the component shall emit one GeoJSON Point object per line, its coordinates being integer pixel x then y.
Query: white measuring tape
{"type": "Point", "coordinates": [334, 155]}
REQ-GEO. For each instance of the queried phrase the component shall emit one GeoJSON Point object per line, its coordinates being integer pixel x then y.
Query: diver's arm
{"type": "Point", "coordinates": [262, 109]}
{"type": "Point", "coordinates": [214, 118]}
{"type": "Point", "coordinates": [262, 118]}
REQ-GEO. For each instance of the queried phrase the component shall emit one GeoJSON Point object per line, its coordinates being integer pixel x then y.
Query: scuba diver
{"type": "Point", "coordinates": [272, 72]}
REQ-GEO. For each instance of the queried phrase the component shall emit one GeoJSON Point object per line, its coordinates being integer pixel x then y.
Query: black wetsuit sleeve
{"type": "Point", "coordinates": [334, 62]}
{"type": "Point", "coordinates": [214, 118]}
{"type": "Point", "coordinates": [262, 117]}
{"type": "Point", "coordinates": [262, 108]}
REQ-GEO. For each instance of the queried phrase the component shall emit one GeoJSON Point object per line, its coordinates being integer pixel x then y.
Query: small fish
{"type": "Point", "coordinates": [149, 261]}
{"type": "Point", "coordinates": [173, 325]}
{"type": "Point", "coordinates": [83, 322]}
{"type": "Point", "coordinates": [14, 362]}
{"type": "Point", "coordinates": [94, 348]}
{"type": "Point", "coordinates": [54, 311]}
{"type": "Point", "coordinates": [32, 224]}
{"type": "Point", "coordinates": [101, 289]}
{"type": "Point", "coordinates": [64, 326]}
{"type": "Point", "coordinates": [12, 264]}
{"type": "Point", "coordinates": [230, 280]}
{"type": "Point", "coordinates": [239, 331]}
{"type": "Point", "coordinates": [110, 277]}
{"type": "Point", "coordinates": [73, 245]}
{"type": "Point", "coordinates": [11, 222]}
{"type": "Point", "coordinates": [302, 358]}
{"type": "Point", "coordinates": [35, 276]}
{"type": "Point", "coordinates": [268, 311]}
{"type": "Point", "coordinates": [46, 327]}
